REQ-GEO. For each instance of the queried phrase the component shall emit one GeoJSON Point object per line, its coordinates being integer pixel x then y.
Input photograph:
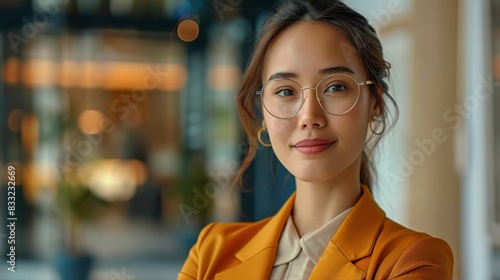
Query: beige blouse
{"type": "Point", "coordinates": [297, 256]}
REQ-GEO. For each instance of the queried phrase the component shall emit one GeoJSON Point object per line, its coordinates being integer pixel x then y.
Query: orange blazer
{"type": "Point", "coordinates": [367, 245]}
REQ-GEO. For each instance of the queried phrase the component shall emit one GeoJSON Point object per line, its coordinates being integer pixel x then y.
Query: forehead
{"type": "Point", "coordinates": [306, 48]}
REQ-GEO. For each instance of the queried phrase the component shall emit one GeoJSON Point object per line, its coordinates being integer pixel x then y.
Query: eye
{"type": "Point", "coordinates": [285, 92]}
{"type": "Point", "coordinates": [336, 87]}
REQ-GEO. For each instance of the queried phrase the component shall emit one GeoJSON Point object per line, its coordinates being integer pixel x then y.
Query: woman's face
{"type": "Point", "coordinates": [313, 145]}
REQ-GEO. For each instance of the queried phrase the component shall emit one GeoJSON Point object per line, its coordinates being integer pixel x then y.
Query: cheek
{"type": "Point", "coordinates": [355, 123]}
{"type": "Point", "coordinates": [278, 130]}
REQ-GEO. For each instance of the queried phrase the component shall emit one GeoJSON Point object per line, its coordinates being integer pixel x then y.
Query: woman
{"type": "Point", "coordinates": [318, 71]}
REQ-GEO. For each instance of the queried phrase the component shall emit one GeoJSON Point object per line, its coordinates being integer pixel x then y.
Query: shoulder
{"type": "Point", "coordinates": [405, 252]}
{"type": "Point", "coordinates": [229, 231]}
{"type": "Point", "coordinates": [221, 246]}
{"type": "Point", "coordinates": [216, 247]}
{"type": "Point", "coordinates": [400, 237]}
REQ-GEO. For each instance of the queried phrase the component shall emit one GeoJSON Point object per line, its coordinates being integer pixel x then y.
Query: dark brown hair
{"type": "Point", "coordinates": [366, 45]}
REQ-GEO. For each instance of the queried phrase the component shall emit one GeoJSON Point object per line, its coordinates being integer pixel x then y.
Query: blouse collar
{"type": "Point", "coordinates": [313, 243]}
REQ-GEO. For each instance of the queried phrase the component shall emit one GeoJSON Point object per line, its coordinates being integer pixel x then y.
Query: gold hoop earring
{"type": "Point", "coordinates": [259, 136]}
{"type": "Point", "coordinates": [377, 119]}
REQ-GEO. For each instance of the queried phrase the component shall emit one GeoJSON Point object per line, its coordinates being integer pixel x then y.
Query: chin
{"type": "Point", "coordinates": [314, 176]}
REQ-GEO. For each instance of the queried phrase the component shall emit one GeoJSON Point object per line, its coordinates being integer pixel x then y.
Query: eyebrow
{"type": "Point", "coordinates": [329, 70]}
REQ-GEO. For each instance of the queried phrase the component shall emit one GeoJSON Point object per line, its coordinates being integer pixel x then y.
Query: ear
{"type": "Point", "coordinates": [376, 104]}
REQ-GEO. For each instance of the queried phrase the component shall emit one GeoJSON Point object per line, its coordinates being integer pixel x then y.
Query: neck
{"type": "Point", "coordinates": [316, 203]}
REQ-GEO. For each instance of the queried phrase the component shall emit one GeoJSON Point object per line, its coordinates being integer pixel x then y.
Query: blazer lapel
{"type": "Point", "coordinates": [353, 241]}
{"type": "Point", "coordinates": [257, 256]}
{"type": "Point", "coordinates": [258, 267]}
{"type": "Point", "coordinates": [333, 264]}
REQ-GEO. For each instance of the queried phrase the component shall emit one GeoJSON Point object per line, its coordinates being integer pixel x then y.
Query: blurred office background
{"type": "Point", "coordinates": [119, 119]}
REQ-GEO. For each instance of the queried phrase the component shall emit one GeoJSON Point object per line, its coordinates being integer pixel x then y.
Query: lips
{"type": "Point", "coordinates": [313, 146]}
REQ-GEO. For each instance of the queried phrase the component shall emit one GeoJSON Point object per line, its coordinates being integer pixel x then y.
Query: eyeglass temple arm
{"type": "Point", "coordinates": [366, 83]}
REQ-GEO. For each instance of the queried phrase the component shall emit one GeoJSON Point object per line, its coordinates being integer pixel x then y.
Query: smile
{"type": "Point", "coordinates": [313, 146]}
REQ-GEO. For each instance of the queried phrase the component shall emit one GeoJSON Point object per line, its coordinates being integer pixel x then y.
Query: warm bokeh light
{"type": "Point", "coordinates": [90, 74]}
{"type": "Point", "coordinates": [188, 30]}
{"type": "Point", "coordinates": [140, 76]}
{"type": "Point", "coordinates": [176, 78]}
{"type": "Point", "coordinates": [140, 170]}
{"type": "Point", "coordinates": [224, 77]}
{"type": "Point", "coordinates": [40, 72]}
{"type": "Point", "coordinates": [89, 121]}
{"type": "Point", "coordinates": [69, 73]}
{"type": "Point", "coordinates": [107, 75]}
{"type": "Point", "coordinates": [112, 180]}
{"type": "Point", "coordinates": [15, 119]}
{"type": "Point", "coordinates": [29, 132]}
{"type": "Point", "coordinates": [12, 70]}
{"type": "Point", "coordinates": [38, 175]}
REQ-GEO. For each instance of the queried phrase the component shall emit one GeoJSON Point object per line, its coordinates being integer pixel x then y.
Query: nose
{"type": "Point", "coordinates": [311, 114]}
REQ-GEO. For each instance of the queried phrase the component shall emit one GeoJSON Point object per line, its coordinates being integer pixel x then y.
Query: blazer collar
{"type": "Point", "coordinates": [354, 240]}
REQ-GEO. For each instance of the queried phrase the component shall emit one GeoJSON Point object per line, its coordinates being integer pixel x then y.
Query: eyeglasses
{"type": "Point", "coordinates": [337, 94]}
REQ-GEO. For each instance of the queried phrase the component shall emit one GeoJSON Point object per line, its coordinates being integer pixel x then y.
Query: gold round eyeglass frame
{"type": "Point", "coordinates": [358, 83]}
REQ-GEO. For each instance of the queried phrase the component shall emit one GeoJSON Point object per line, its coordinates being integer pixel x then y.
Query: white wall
{"type": "Point", "coordinates": [475, 40]}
